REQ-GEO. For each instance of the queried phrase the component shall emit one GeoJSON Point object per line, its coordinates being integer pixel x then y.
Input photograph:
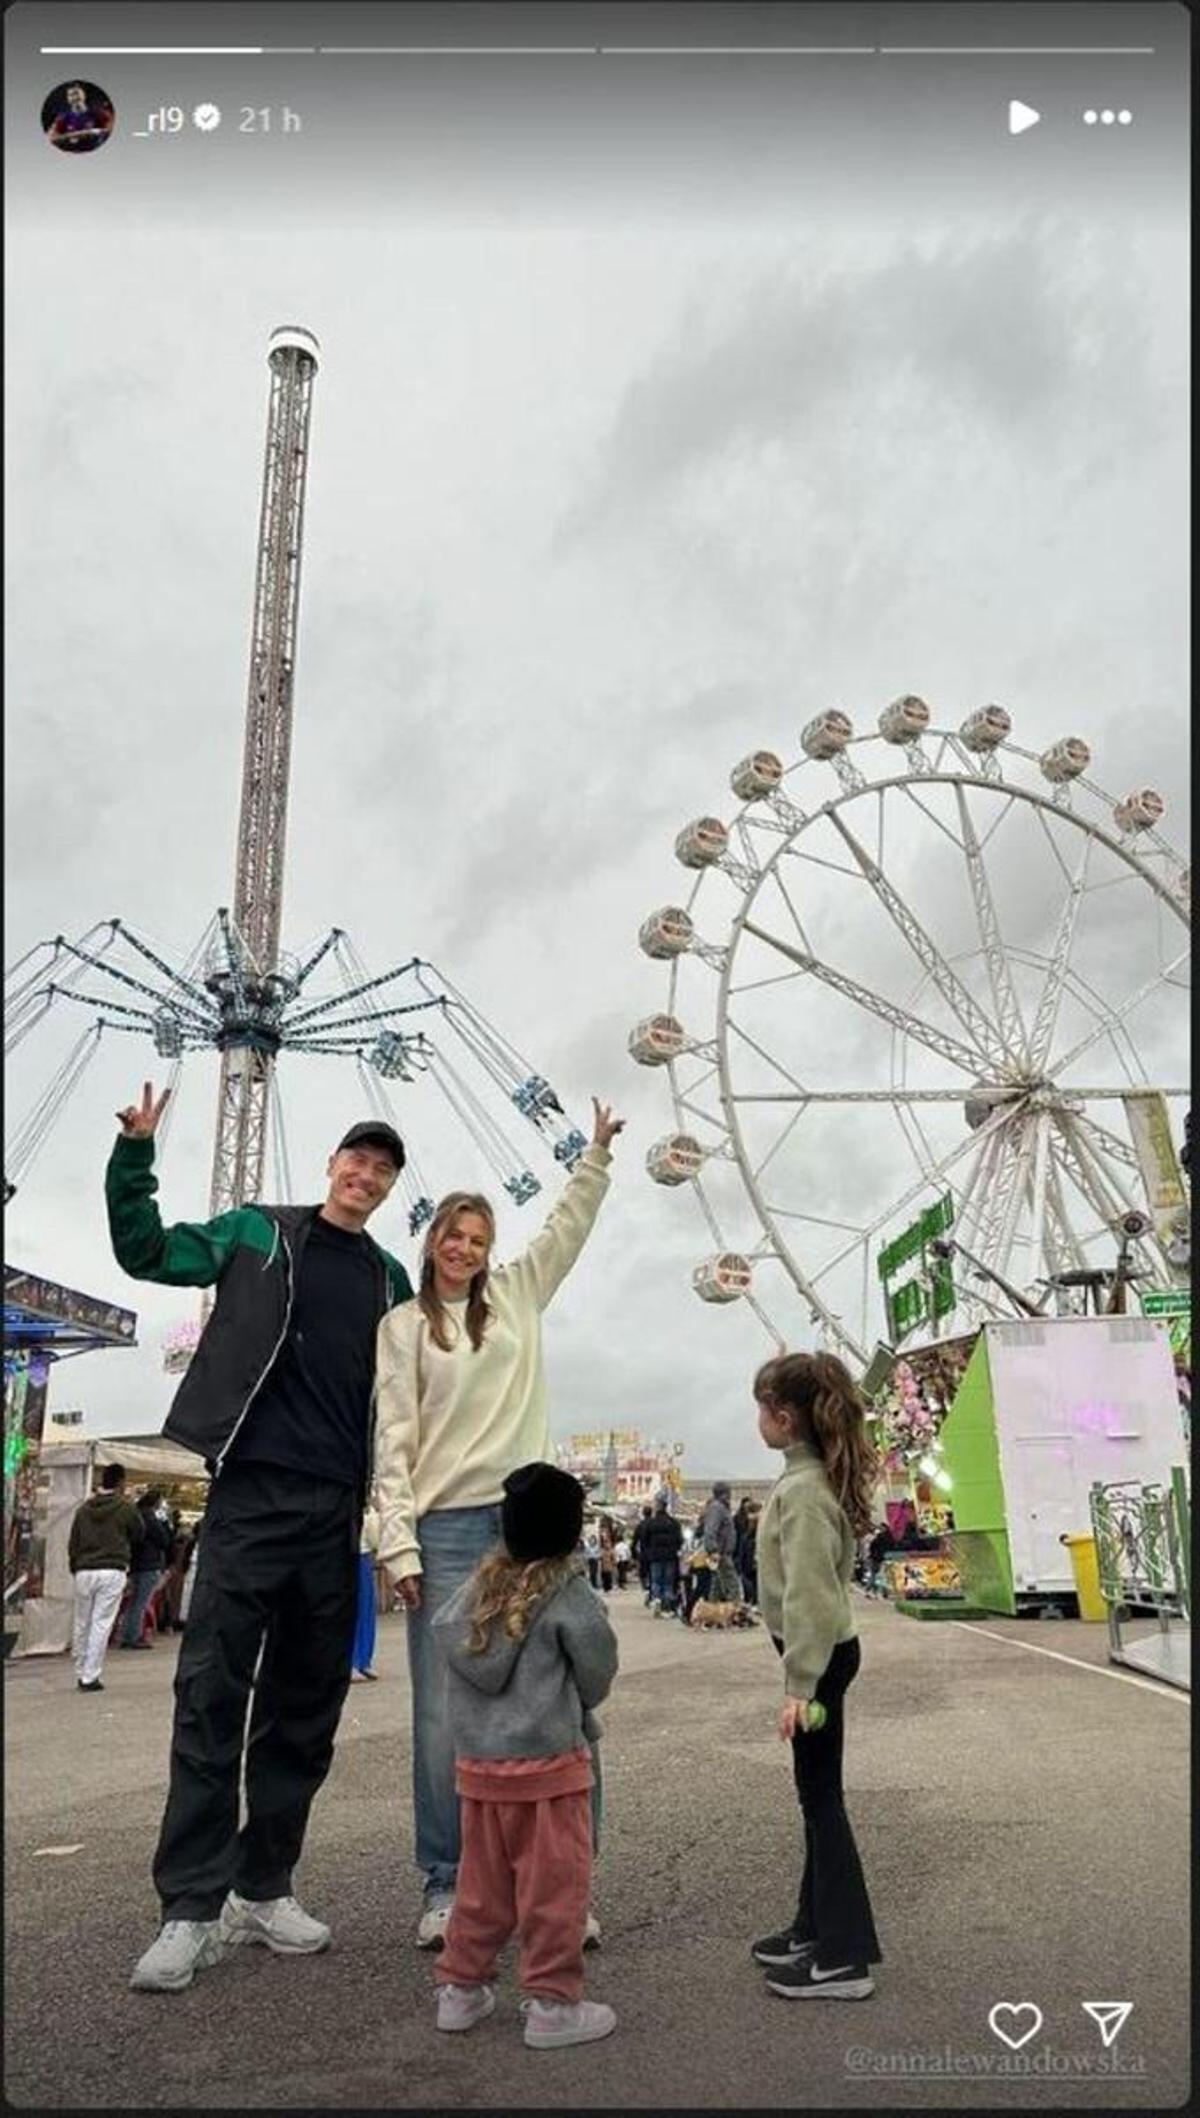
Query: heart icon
{"type": "Point", "coordinates": [1003, 2019]}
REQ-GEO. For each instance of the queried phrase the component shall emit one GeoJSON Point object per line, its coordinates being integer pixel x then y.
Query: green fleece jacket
{"type": "Point", "coordinates": [805, 1561]}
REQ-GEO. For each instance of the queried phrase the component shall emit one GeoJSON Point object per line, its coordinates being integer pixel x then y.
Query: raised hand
{"type": "Point", "coordinates": [605, 1127]}
{"type": "Point", "coordinates": [142, 1124]}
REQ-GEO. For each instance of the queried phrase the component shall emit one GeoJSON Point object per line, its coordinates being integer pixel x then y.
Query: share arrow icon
{"type": "Point", "coordinates": [1109, 2016]}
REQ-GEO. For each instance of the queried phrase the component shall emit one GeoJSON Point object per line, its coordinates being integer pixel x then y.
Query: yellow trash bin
{"type": "Point", "coordinates": [1086, 1569]}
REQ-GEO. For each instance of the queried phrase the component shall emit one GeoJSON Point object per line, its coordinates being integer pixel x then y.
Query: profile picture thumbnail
{"type": "Point", "coordinates": [78, 117]}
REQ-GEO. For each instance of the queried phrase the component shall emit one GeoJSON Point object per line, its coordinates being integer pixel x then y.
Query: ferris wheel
{"type": "Point", "coordinates": [920, 966]}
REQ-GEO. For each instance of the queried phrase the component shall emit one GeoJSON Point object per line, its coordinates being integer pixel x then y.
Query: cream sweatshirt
{"type": "Point", "coordinates": [450, 1426]}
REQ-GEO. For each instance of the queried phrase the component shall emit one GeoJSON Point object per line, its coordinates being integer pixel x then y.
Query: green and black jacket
{"type": "Point", "coordinates": [251, 1255]}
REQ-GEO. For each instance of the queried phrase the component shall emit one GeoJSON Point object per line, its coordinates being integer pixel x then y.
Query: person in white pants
{"type": "Point", "coordinates": [105, 1534]}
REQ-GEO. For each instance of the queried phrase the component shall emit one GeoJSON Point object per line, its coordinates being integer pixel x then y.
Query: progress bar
{"type": "Point", "coordinates": [598, 51]}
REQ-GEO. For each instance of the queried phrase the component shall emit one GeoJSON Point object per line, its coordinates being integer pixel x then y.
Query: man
{"type": "Point", "coordinates": [719, 1539]}
{"type": "Point", "coordinates": [102, 1546]}
{"type": "Point", "coordinates": [79, 128]}
{"type": "Point", "coordinates": [661, 1540]}
{"type": "Point", "coordinates": [278, 1398]}
{"type": "Point", "coordinates": [149, 1565]}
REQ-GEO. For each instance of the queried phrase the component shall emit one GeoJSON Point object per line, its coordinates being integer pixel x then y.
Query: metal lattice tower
{"type": "Point", "coordinates": [249, 982]}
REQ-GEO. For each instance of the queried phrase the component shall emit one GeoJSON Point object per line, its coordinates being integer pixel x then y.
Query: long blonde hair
{"type": "Point", "coordinates": [506, 1590]}
{"type": "Point", "coordinates": [817, 1395]}
{"type": "Point", "coordinates": [428, 1300]}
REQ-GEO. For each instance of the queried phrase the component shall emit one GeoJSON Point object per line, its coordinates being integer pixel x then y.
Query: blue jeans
{"type": "Point", "coordinates": [663, 1574]}
{"type": "Point", "coordinates": [452, 1542]}
{"type": "Point", "coordinates": [144, 1586]}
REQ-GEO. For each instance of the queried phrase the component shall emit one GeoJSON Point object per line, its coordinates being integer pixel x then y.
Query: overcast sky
{"type": "Point", "coordinates": [593, 511]}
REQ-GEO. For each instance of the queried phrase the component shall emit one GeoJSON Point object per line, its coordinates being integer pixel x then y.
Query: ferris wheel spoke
{"type": "Point", "coordinates": [1105, 1192]}
{"type": "Point", "coordinates": [1060, 957]}
{"type": "Point", "coordinates": [961, 1003]}
{"type": "Point", "coordinates": [994, 1217]}
{"type": "Point", "coordinates": [949, 1161]}
{"type": "Point", "coordinates": [755, 1046]}
{"type": "Point", "coordinates": [1119, 1014]}
{"type": "Point", "coordinates": [1063, 1238]}
{"type": "Point", "coordinates": [1037, 1188]}
{"type": "Point", "coordinates": [1025, 1159]}
{"type": "Point", "coordinates": [959, 1055]}
{"type": "Point", "coordinates": [771, 1153]}
{"type": "Point", "coordinates": [923, 1155]}
{"type": "Point", "coordinates": [1004, 993]}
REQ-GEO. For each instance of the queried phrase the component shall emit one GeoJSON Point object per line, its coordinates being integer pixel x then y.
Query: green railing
{"type": "Point", "coordinates": [1143, 1545]}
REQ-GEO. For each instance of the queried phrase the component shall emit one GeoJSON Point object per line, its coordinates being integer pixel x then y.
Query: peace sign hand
{"type": "Point", "coordinates": [142, 1124]}
{"type": "Point", "coordinates": [605, 1127]}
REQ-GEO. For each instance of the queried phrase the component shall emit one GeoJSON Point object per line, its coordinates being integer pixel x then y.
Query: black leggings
{"type": "Point", "coordinates": [834, 1909]}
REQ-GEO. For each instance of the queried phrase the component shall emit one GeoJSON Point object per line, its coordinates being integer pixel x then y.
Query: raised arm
{"type": "Point", "coordinates": [189, 1254]}
{"type": "Point", "coordinates": [544, 1266]}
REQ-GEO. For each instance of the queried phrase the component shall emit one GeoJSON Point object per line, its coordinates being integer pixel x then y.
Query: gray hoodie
{"type": "Point", "coordinates": [533, 1697]}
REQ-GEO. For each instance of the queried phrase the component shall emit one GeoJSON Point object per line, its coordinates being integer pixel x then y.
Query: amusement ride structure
{"type": "Point", "coordinates": [238, 993]}
{"type": "Point", "coordinates": [923, 964]}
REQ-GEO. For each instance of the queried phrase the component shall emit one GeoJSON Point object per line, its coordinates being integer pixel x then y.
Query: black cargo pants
{"type": "Point", "coordinates": [277, 1574]}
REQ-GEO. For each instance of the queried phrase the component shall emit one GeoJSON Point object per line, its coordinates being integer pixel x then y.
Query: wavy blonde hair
{"type": "Point", "coordinates": [506, 1590]}
{"type": "Point", "coordinates": [818, 1396]}
{"type": "Point", "coordinates": [432, 1308]}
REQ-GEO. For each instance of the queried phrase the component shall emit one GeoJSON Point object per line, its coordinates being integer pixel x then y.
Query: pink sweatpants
{"type": "Point", "coordinates": [525, 1866]}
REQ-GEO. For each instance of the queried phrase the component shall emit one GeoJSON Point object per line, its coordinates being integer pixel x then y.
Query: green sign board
{"type": "Point", "coordinates": [1167, 1301]}
{"type": "Point", "coordinates": [930, 1294]}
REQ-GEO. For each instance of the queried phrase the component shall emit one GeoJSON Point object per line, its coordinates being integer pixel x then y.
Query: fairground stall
{"type": "Point", "coordinates": [43, 1323]}
{"type": "Point", "coordinates": [69, 1471]}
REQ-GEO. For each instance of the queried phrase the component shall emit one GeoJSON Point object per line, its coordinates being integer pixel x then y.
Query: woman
{"type": "Point", "coordinates": [461, 1404]}
{"type": "Point", "coordinates": [607, 1561]}
{"type": "Point", "coordinates": [808, 1407]}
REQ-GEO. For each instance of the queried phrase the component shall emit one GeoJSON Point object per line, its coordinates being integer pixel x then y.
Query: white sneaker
{"type": "Point", "coordinates": [591, 1932]}
{"type": "Point", "coordinates": [184, 1947]}
{"type": "Point", "coordinates": [461, 2007]}
{"type": "Point", "coordinates": [431, 1933]}
{"type": "Point", "coordinates": [278, 1921]}
{"type": "Point", "coordinates": [556, 2022]}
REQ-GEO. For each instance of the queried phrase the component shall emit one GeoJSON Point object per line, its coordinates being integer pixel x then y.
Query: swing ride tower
{"type": "Point", "coordinates": [247, 979]}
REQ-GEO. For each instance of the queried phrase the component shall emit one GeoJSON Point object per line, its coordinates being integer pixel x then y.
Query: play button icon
{"type": "Point", "coordinates": [1021, 117]}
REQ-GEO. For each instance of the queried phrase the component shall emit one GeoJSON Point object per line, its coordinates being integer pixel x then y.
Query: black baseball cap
{"type": "Point", "coordinates": [378, 1134]}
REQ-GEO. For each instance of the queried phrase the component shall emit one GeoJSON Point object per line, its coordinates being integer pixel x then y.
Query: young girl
{"type": "Point", "coordinates": [808, 1407]}
{"type": "Point", "coordinates": [530, 1652]}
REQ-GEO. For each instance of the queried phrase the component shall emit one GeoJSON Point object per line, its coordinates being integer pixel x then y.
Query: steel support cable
{"type": "Point", "coordinates": [173, 977]}
{"type": "Point", "coordinates": [478, 1121]}
{"type": "Point", "coordinates": [19, 1003]}
{"type": "Point", "coordinates": [508, 1058]}
{"type": "Point", "coordinates": [164, 1124]}
{"type": "Point", "coordinates": [412, 1180]}
{"type": "Point", "coordinates": [32, 1134]}
{"type": "Point", "coordinates": [283, 1172]}
{"type": "Point", "coordinates": [138, 985]}
{"type": "Point", "coordinates": [319, 953]}
{"type": "Point", "coordinates": [344, 953]}
{"type": "Point", "coordinates": [29, 1021]}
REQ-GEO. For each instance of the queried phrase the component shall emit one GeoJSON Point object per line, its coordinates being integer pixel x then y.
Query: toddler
{"type": "Point", "coordinates": [530, 1653]}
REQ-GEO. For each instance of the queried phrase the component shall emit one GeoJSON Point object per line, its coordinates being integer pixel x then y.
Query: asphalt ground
{"type": "Point", "coordinates": [1023, 1822]}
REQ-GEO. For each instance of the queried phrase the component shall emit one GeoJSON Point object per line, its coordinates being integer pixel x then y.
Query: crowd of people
{"type": "Point", "coordinates": [325, 1385]}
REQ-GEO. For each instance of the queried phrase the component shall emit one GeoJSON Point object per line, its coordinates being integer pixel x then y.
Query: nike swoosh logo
{"type": "Point", "coordinates": [819, 1977]}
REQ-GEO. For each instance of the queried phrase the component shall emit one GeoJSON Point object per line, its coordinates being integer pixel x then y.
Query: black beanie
{"type": "Point", "coordinates": [542, 1512]}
